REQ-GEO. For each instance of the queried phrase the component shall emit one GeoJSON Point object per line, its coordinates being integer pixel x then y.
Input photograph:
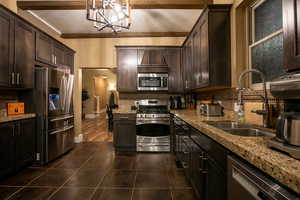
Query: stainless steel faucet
{"type": "Point", "coordinates": [266, 110]}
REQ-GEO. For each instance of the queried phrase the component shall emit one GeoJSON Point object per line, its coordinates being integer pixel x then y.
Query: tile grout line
{"type": "Point", "coordinates": [23, 186]}
{"type": "Point", "coordinates": [70, 177]}
{"type": "Point", "coordinates": [98, 185]}
{"type": "Point", "coordinates": [134, 184]}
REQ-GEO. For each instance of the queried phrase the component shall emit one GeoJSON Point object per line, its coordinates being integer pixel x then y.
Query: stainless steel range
{"type": "Point", "coordinates": [153, 126]}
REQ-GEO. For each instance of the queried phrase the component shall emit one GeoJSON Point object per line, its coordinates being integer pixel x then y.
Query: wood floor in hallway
{"type": "Point", "coordinates": [96, 130]}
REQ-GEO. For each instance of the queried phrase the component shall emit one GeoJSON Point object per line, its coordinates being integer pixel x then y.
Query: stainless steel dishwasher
{"type": "Point", "coordinates": [247, 183]}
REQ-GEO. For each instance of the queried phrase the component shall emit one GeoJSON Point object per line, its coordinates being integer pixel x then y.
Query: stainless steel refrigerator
{"type": "Point", "coordinates": [55, 117]}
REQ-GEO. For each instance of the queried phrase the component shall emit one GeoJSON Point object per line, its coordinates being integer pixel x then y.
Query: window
{"type": "Point", "coordinates": [266, 39]}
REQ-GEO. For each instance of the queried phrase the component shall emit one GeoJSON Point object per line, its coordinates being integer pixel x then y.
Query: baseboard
{"type": "Point", "coordinates": [78, 139]}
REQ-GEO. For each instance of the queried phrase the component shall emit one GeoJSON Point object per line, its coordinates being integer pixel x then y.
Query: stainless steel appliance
{"type": "Point", "coordinates": [211, 110]}
{"type": "Point", "coordinates": [53, 101]}
{"type": "Point", "coordinates": [287, 88]}
{"type": "Point", "coordinates": [152, 81]}
{"type": "Point", "coordinates": [247, 183]}
{"type": "Point", "coordinates": [153, 126]}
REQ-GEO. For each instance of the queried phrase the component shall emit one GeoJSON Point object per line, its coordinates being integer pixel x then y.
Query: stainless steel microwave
{"type": "Point", "coordinates": [152, 82]}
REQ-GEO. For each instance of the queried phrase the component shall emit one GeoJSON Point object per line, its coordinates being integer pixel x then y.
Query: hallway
{"type": "Point", "coordinates": [96, 130]}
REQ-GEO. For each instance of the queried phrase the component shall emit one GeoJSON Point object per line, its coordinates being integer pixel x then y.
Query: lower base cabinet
{"type": "Point", "coordinates": [204, 162]}
{"type": "Point", "coordinates": [124, 132]}
{"type": "Point", "coordinates": [17, 146]}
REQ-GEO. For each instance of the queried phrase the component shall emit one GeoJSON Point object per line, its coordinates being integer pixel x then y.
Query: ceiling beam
{"type": "Point", "coordinates": [135, 4]}
{"type": "Point", "coordinates": [124, 35]}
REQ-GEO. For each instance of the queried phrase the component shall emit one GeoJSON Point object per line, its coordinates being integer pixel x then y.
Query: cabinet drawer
{"type": "Point", "coordinates": [124, 116]}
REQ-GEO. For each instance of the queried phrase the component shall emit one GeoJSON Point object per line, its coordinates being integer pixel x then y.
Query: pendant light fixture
{"type": "Point", "coordinates": [113, 14]}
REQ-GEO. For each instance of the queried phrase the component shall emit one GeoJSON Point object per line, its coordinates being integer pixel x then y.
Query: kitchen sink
{"type": "Point", "coordinates": [239, 129]}
{"type": "Point", "coordinates": [227, 125]}
{"type": "Point", "coordinates": [246, 132]}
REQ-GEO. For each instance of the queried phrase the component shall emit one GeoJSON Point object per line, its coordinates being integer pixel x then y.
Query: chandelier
{"type": "Point", "coordinates": [113, 14]}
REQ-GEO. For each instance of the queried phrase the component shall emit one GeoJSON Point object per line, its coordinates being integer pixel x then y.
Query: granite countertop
{"type": "Point", "coordinates": [124, 110]}
{"type": "Point", "coordinates": [281, 167]}
{"type": "Point", "coordinates": [17, 117]}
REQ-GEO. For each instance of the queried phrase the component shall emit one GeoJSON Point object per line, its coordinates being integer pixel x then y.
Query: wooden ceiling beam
{"type": "Point", "coordinates": [135, 4]}
{"type": "Point", "coordinates": [123, 35]}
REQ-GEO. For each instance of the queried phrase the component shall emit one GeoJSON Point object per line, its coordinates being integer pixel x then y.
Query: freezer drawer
{"type": "Point", "coordinates": [60, 141]}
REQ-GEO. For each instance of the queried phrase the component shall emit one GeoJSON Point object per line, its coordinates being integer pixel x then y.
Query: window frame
{"type": "Point", "coordinates": [251, 40]}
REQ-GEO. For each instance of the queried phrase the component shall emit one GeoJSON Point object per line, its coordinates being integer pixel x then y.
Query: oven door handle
{"type": "Point", "coordinates": [152, 122]}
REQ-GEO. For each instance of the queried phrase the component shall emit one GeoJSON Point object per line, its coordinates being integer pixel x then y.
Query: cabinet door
{"type": "Point", "coordinates": [59, 54]}
{"type": "Point", "coordinates": [125, 135]}
{"type": "Point", "coordinates": [127, 70]}
{"type": "Point", "coordinates": [197, 173]}
{"type": "Point", "coordinates": [44, 48]}
{"type": "Point", "coordinates": [6, 47]}
{"type": "Point", "coordinates": [69, 59]}
{"type": "Point", "coordinates": [216, 181]}
{"type": "Point", "coordinates": [204, 55]}
{"type": "Point", "coordinates": [291, 34]}
{"type": "Point", "coordinates": [25, 143]}
{"type": "Point", "coordinates": [7, 149]}
{"type": "Point", "coordinates": [189, 65]}
{"type": "Point", "coordinates": [196, 41]}
{"type": "Point", "coordinates": [24, 54]}
{"type": "Point", "coordinates": [173, 59]}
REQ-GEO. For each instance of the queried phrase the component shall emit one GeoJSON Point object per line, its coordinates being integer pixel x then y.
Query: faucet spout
{"type": "Point", "coordinates": [265, 112]}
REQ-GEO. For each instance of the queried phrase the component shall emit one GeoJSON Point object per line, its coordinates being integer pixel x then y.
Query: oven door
{"type": "Point", "coordinates": [152, 82]}
{"type": "Point", "coordinates": [153, 136]}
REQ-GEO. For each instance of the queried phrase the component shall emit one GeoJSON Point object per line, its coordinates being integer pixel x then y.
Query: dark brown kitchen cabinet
{"type": "Point", "coordinates": [17, 51]}
{"type": "Point", "coordinates": [6, 47]}
{"type": "Point", "coordinates": [187, 66]}
{"type": "Point", "coordinates": [124, 132]}
{"type": "Point", "coordinates": [196, 59]}
{"type": "Point", "coordinates": [24, 54]}
{"type": "Point", "coordinates": [59, 54]}
{"type": "Point", "coordinates": [69, 59]}
{"type": "Point", "coordinates": [127, 69]}
{"type": "Point", "coordinates": [7, 149]}
{"type": "Point", "coordinates": [216, 181]}
{"type": "Point", "coordinates": [17, 145]}
{"type": "Point", "coordinates": [44, 48]}
{"type": "Point", "coordinates": [291, 34]}
{"type": "Point", "coordinates": [25, 143]}
{"type": "Point", "coordinates": [173, 59]}
{"type": "Point", "coordinates": [50, 52]}
{"type": "Point", "coordinates": [208, 49]}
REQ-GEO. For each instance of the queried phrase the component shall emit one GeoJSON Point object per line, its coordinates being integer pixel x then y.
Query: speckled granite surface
{"type": "Point", "coordinates": [16, 117]}
{"type": "Point", "coordinates": [281, 167]}
{"type": "Point", "coordinates": [124, 110]}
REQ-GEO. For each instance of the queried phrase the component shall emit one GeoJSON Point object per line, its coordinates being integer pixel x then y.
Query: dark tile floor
{"type": "Point", "coordinates": [93, 171]}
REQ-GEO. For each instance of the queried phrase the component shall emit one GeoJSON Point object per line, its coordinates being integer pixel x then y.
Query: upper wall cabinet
{"type": "Point", "coordinates": [291, 34]}
{"type": "Point", "coordinates": [6, 47]}
{"type": "Point", "coordinates": [51, 52]}
{"type": "Point", "coordinates": [207, 50]}
{"type": "Point", "coordinates": [173, 61]}
{"type": "Point", "coordinates": [24, 54]}
{"type": "Point", "coordinates": [127, 69]}
{"type": "Point", "coordinates": [17, 51]}
{"type": "Point", "coordinates": [44, 48]}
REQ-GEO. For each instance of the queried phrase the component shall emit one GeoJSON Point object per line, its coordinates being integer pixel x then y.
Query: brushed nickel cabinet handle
{"type": "Point", "coordinates": [12, 78]}
{"type": "Point", "coordinates": [18, 78]}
